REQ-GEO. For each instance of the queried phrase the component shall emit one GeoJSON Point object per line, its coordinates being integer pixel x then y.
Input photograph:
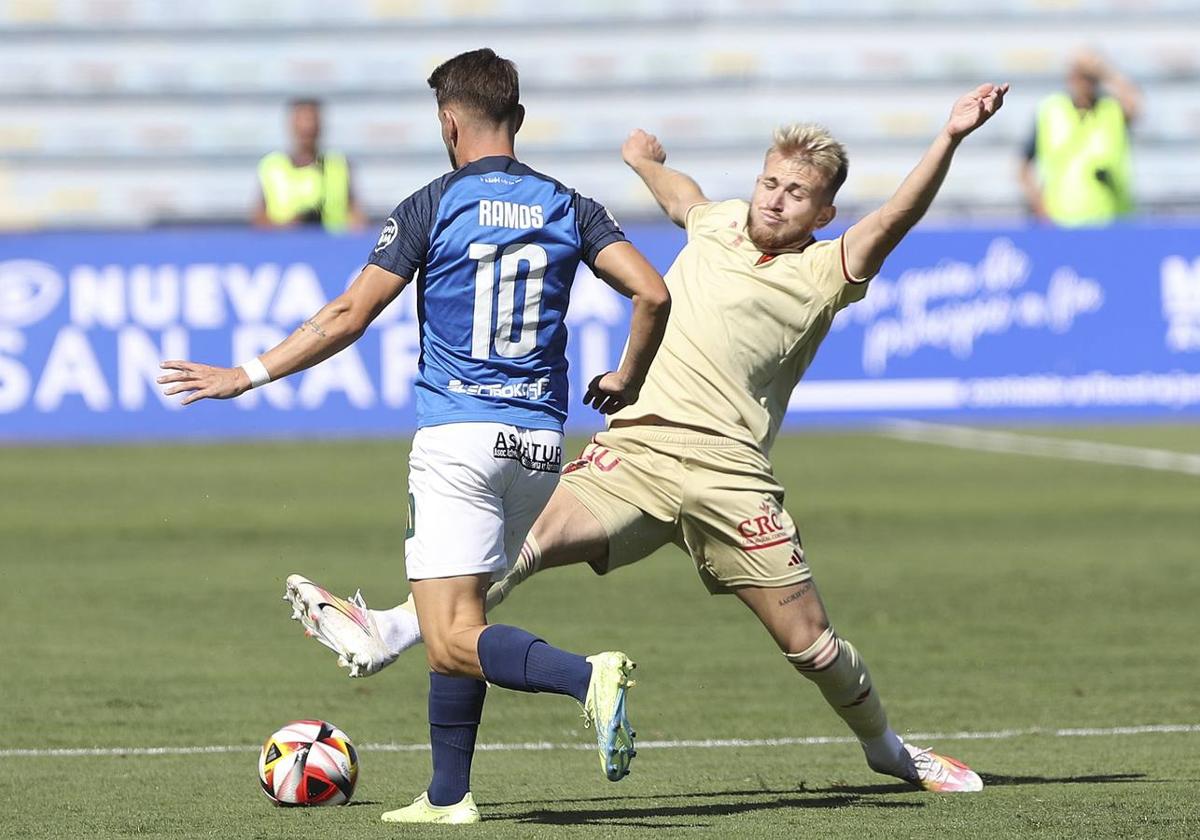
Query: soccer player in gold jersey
{"type": "Point", "coordinates": [754, 293]}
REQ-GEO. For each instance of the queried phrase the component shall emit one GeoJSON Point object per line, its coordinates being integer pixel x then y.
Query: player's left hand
{"type": "Point", "coordinates": [202, 382]}
{"type": "Point", "coordinates": [641, 146]}
{"type": "Point", "coordinates": [974, 109]}
{"type": "Point", "coordinates": [609, 392]}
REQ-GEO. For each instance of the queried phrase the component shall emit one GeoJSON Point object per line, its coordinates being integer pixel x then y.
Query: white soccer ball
{"type": "Point", "coordinates": [308, 762]}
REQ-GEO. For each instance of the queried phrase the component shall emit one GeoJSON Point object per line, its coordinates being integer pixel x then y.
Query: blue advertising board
{"type": "Point", "coordinates": [1028, 324]}
{"type": "Point", "coordinates": [988, 324]}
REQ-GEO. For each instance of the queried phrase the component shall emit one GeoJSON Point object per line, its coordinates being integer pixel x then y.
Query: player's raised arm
{"type": "Point", "coordinates": [869, 241]}
{"type": "Point", "coordinates": [674, 191]}
{"type": "Point", "coordinates": [624, 268]}
{"type": "Point", "coordinates": [338, 325]}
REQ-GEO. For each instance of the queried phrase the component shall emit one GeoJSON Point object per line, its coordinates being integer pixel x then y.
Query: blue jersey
{"type": "Point", "coordinates": [494, 247]}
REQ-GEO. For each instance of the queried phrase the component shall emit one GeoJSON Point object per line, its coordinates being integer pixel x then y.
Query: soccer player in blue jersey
{"type": "Point", "coordinates": [493, 247]}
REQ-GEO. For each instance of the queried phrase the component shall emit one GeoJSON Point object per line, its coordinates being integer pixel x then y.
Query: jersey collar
{"type": "Point", "coordinates": [764, 258]}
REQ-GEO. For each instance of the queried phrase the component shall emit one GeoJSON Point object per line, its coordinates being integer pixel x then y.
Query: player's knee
{"type": "Point", "coordinates": [820, 652]}
{"type": "Point", "coordinates": [440, 661]}
{"type": "Point", "coordinates": [442, 656]}
{"type": "Point", "coordinates": [805, 632]}
{"type": "Point", "coordinates": [454, 654]}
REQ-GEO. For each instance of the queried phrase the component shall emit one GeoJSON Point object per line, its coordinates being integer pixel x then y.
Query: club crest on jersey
{"type": "Point", "coordinates": [539, 457]}
{"type": "Point", "coordinates": [765, 529]}
{"type": "Point", "coordinates": [388, 235]}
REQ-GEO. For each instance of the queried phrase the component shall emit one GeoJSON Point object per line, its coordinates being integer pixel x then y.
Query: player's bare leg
{"type": "Point", "coordinates": [565, 533]}
{"type": "Point", "coordinates": [463, 651]}
{"type": "Point", "coordinates": [796, 619]}
{"type": "Point", "coordinates": [450, 614]}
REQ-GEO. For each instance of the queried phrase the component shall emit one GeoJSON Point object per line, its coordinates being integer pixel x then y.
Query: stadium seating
{"type": "Point", "coordinates": [141, 112]}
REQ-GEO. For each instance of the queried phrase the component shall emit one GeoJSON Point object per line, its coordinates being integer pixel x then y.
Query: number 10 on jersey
{"type": "Point", "coordinates": [503, 290]}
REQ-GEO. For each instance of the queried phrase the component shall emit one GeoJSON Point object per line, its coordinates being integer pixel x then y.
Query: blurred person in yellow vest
{"type": "Point", "coordinates": [1077, 169]}
{"type": "Point", "coordinates": [307, 185]}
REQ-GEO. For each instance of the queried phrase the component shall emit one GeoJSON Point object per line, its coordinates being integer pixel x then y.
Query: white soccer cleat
{"type": "Point", "coordinates": [940, 773]}
{"type": "Point", "coordinates": [345, 626]}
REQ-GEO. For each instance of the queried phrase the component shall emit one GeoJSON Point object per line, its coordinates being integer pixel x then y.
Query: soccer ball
{"type": "Point", "coordinates": [308, 762]}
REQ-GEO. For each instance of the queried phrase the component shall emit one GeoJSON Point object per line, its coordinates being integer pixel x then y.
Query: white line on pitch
{"type": "Point", "coordinates": [710, 743]}
{"type": "Point", "coordinates": [987, 440]}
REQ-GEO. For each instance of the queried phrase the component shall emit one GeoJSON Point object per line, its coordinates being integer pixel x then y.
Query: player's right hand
{"type": "Point", "coordinates": [974, 109]}
{"type": "Point", "coordinates": [609, 392]}
{"type": "Point", "coordinates": [641, 146]}
{"type": "Point", "coordinates": [202, 382]}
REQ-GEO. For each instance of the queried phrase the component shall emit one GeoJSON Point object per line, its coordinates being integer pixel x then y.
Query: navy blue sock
{"type": "Point", "coordinates": [548, 668]}
{"type": "Point", "coordinates": [455, 708]}
{"type": "Point", "coordinates": [513, 658]}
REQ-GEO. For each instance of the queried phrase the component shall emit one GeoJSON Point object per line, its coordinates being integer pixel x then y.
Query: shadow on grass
{"type": "Point", "coordinates": [989, 780]}
{"type": "Point", "coordinates": [639, 816]}
{"type": "Point", "coordinates": [997, 779]}
{"type": "Point", "coordinates": [802, 796]}
{"type": "Point", "coordinates": [880, 789]}
{"type": "Point", "coordinates": [691, 794]}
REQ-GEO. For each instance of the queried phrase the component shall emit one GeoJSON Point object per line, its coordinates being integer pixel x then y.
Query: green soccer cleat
{"type": "Point", "coordinates": [423, 811]}
{"type": "Point", "coordinates": [604, 709]}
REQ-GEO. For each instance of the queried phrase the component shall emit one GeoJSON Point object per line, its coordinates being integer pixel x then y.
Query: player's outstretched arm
{"type": "Point", "coordinates": [674, 191]}
{"type": "Point", "coordinates": [870, 240]}
{"type": "Point", "coordinates": [338, 325]}
{"type": "Point", "coordinates": [623, 267]}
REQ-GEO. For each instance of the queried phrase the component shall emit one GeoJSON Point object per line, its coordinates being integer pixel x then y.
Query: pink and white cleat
{"type": "Point", "coordinates": [940, 773]}
{"type": "Point", "coordinates": [343, 625]}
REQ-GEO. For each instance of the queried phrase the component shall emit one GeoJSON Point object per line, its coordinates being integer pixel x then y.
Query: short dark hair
{"type": "Point", "coordinates": [481, 81]}
{"type": "Point", "coordinates": [304, 102]}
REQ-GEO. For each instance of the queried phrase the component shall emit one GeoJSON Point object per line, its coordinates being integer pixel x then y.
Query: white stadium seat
{"type": "Point", "coordinates": [140, 111]}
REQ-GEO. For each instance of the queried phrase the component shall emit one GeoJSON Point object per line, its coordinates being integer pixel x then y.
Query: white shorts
{"type": "Point", "coordinates": [474, 491]}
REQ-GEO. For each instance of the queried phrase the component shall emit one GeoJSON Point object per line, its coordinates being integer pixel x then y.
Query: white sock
{"type": "Point", "coordinates": [833, 664]}
{"type": "Point", "coordinates": [886, 754]}
{"type": "Point", "coordinates": [529, 561]}
{"type": "Point", "coordinates": [398, 626]}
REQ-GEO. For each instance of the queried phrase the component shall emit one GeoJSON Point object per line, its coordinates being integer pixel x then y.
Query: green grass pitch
{"type": "Point", "coordinates": [140, 586]}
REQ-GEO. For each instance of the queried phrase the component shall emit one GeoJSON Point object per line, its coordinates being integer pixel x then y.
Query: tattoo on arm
{"type": "Point", "coordinates": [313, 327]}
{"type": "Point", "coordinates": [804, 589]}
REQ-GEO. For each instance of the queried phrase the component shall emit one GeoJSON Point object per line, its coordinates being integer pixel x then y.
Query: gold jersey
{"type": "Point", "coordinates": [743, 329]}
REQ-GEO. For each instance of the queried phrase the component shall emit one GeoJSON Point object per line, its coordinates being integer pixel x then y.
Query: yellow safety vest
{"type": "Point", "coordinates": [1084, 161]}
{"type": "Point", "coordinates": [291, 191]}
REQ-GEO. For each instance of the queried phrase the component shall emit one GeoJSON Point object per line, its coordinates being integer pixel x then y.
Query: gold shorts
{"type": "Point", "coordinates": [715, 498]}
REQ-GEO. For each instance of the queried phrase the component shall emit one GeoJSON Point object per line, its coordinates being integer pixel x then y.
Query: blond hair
{"type": "Point", "coordinates": [814, 145]}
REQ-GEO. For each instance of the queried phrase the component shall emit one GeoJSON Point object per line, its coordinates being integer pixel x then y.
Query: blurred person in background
{"type": "Point", "coordinates": [307, 185]}
{"type": "Point", "coordinates": [1077, 168]}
